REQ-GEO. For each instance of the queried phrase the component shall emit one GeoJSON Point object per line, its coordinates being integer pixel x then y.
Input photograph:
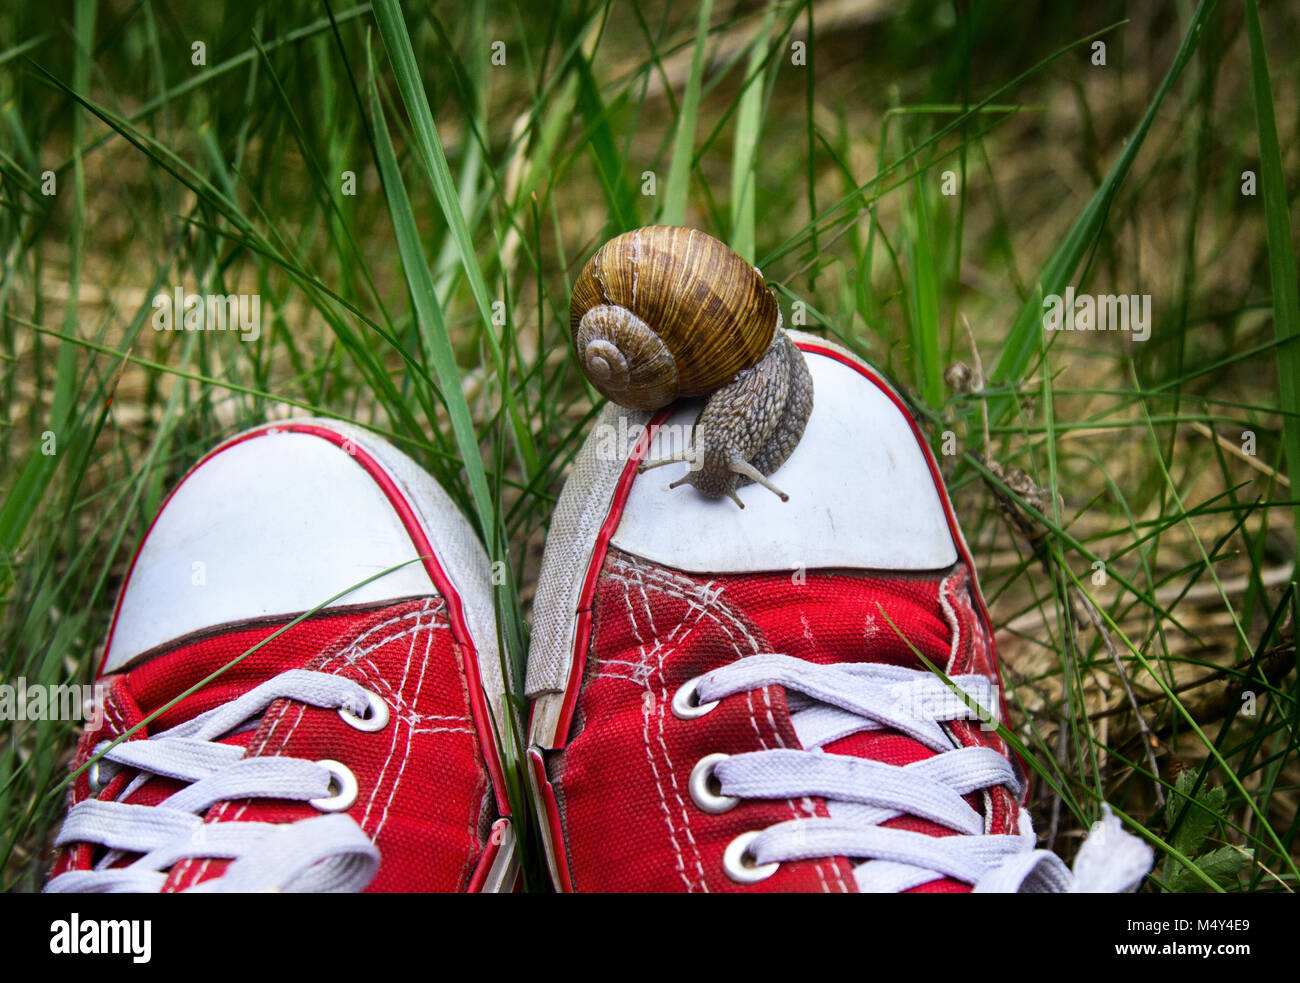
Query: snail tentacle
{"type": "Point", "coordinates": [748, 470]}
{"type": "Point", "coordinates": [681, 456]}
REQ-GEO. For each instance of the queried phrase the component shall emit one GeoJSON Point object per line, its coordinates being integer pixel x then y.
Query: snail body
{"type": "Point", "coordinates": [666, 312]}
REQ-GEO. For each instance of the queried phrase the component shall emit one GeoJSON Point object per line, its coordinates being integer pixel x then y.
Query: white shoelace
{"type": "Point", "coordinates": [324, 853]}
{"type": "Point", "coordinates": [829, 702]}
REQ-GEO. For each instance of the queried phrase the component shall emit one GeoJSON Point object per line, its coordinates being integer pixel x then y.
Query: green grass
{"type": "Point", "coordinates": [1140, 571]}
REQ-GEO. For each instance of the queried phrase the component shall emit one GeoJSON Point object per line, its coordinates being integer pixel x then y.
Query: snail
{"type": "Point", "coordinates": [665, 312]}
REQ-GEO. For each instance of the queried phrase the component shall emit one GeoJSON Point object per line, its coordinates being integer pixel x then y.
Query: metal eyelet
{"type": "Point", "coordinates": [702, 780]}
{"type": "Point", "coordinates": [342, 779]}
{"type": "Point", "coordinates": [739, 864]}
{"type": "Point", "coordinates": [684, 705]}
{"type": "Point", "coordinates": [96, 776]}
{"type": "Point", "coordinates": [376, 717]}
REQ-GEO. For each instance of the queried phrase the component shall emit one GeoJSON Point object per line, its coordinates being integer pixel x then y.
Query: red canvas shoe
{"type": "Point", "coordinates": [354, 748]}
{"type": "Point", "coordinates": [730, 700]}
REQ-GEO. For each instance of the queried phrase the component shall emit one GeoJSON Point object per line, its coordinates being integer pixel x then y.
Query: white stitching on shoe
{"type": "Point", "coordinates": [949, 616]}
{"type": "Point", "coordinates": [637, 673]}
{"type": "Point", "coordinates": [410, 737]}
{"type": "Point", "coordinates": [346, 657]}
{"type": "Point", "coordinates": [191, 753]}
{"type": "Point", "coordinates": [704, 600]}
{"type": "Point", "coordinates": [645, 605]}
{"type": "Point", "coordinates": [392, 749]}
{"type": "Point", "coordinates": [115, 717]}
{"type": "Point", "coordinates": [646, 710]}
{"type": "Point", "coordinates": [649, 706]}
{"type": "Point", "coordinates": [703, 595]}
{"type": "Point", "coordinates": [660, 710]}
{"type": "Point", "coordinates": [707, 600]}
{"type": "Point", "coordinates": [351, 653]}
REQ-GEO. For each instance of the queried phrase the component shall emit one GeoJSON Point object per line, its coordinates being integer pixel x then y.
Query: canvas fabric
{"type": "Point", "coordinates": [621, 783]}
{"type": "Point", "coordinates": [425, 798]}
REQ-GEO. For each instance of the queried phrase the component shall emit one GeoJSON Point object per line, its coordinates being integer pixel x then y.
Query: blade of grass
{"type": "Point", "coordinates": [437, 343]}
{"type": "Point", "coordinates": [397, 41]}
{"type": "Point", "coordinates": [1021, 344]}
{"type": "Point", "coordinates": [39, 470]}
{"type": "Point", "coordinates": [923, 298]}
{"type": "Point", "coordinates": [858, 194]}
{"type": "Point", "coordinates": [749, 121]}
{"type": "Point", "coordinates": [672, 208]}
{"type": "Point", "coordinates": [1281, 257]}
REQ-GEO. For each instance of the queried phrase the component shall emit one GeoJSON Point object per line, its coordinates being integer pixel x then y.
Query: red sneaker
{"type": "Point", "coordinates": [727, 700]}
{"type": "Point", "coordinates": [354, 749]}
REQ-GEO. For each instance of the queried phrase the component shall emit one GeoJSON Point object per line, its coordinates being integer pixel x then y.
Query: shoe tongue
{"type": "Point", "coordinates": [837, 618]}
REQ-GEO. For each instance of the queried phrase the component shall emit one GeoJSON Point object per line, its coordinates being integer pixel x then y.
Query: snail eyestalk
{"type": "Point", "coordinates": [678, 458]}
{"type": "Point", "coordinates": [753, 474]}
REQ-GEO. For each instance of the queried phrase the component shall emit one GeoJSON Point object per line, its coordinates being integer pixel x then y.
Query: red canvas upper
{"type": "Point", "coordinates": [628, 759]}
{"type": "Point", "coordinates": [425, 797]}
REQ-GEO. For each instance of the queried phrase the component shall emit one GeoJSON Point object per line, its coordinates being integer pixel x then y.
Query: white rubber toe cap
{"type": "Point", "coordinates": [862, 495]}
{"type": "Point", "coordinates": [272, 523]}
{"type": "Point", "coordinates": [864, 491]}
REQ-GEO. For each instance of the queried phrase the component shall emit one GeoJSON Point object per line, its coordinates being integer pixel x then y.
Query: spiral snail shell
{"type": "Point", "coordinates": [665, 312]}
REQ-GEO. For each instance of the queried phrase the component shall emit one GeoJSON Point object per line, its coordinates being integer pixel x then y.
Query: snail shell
{"type": "Point", "coordinates": [668, 311]}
